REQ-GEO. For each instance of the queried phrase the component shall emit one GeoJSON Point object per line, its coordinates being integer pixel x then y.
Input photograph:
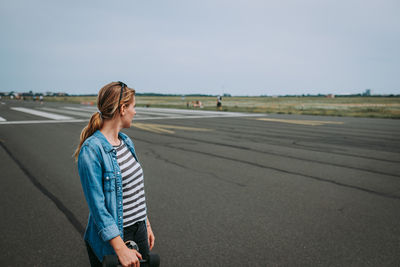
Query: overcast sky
{"type": "Point", "coordinates": [241, 47]}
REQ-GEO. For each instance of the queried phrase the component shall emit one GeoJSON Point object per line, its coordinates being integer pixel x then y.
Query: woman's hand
{"type": "Point", "coordinates": [129, 257]}
{"type": "Point", "coordinates": [126, 256]}
{"type": "Point", "coordinates": [150, 235]}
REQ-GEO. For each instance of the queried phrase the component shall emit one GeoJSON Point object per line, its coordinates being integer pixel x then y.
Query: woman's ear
{"type": "Point", "coordinates": [122, 110]}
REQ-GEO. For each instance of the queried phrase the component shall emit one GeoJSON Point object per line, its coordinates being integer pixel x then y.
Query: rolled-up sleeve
{"type": "Point", "coordinates": [90, 172]}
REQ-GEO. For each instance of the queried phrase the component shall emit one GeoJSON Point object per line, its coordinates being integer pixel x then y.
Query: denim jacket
{"type": "Point", "coordinates": [102, 185]}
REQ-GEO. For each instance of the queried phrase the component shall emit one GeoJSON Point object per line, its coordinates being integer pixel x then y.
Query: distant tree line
{"type": "Point", "coordinates": [366, 93]}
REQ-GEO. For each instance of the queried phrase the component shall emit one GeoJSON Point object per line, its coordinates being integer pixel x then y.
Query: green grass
{"type": "Point", "coordinates": [377, 107]}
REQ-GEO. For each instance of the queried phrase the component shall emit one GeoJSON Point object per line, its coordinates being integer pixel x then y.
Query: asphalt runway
{"type": "Point", "coordinates": [222, 189]}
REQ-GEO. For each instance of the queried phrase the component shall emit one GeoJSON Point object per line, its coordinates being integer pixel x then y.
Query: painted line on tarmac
{"type": "Point", "coordinates": [199, 117]}
{"type": "Point", "coordinates": [82, 109]}
{"type": "Point", "coordinates": [163, 128]}
{"type": "Point", "coordinates": [136, 119]}
{"type": "Point", "coordinates": [190, 111]}
{"type": "Point", "coordinates": [69, 112]}
{"type": "Point", "coordinates": [59, 204]}
{"type": "Point", "coordinates": [302, 122]}
{"type": "Point", "coordinates": [157, 113]}
{"type": "Point", "coordinates": [2, 119]}
{"type": "Point", "coordinates": [41, 121]}
{"type": "Point", "coordinates": [42, 113]}
{"type": "Point", "coordinates": [150, 128]}
{"type": "Point", "coordinates": [146, 111]}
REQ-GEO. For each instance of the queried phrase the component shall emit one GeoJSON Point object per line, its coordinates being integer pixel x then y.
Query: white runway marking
{"type": "Point", "coordinates": [86, 108]}
{"type": "Point", "coordinates": [42, 114]}
{"type": "Point", "coordinates": [187, 111]}
{"type": "Point", "coordinates": [195, 117]}
{"type": "Point", "coordinates": [69, 112]}
{"type": "Point", "coordinates": [155, 113]}
{"type": "Point", "coordinates": [89, 110]}
{"type": "Point", "coordinates": [142, 114]}
{"type": "Point", "coordinates": [2, 119]}
{"type": "Point", "coordinates": [40, 121]}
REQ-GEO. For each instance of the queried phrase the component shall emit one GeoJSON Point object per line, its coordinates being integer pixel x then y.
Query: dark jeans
{"type": "Point", "coordinates": [136, 232]}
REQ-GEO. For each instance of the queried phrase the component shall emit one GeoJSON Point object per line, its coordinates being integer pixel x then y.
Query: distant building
{"type": "Point", "coordinates": [15, 95]}
{"type": "Point", "coordinates": [330, 96]}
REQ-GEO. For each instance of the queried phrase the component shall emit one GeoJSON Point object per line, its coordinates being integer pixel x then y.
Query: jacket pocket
{"type": "Point", "coordinates": [109, 181]}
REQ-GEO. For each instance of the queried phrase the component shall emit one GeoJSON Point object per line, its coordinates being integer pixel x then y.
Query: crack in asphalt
{"type": "Point", "coordinates": [294, 173]}
{"type": "Point", "coordinates": [291, 157]}
{"type": "Point", "coordinates": [59, 204]}
{"type": "Point", "coordinates": [158, 156]}
{"type": "Point", "coordinates": [313, 148]}
{"type": "Point", "coordinates": [306, 131]}
{"type": "Point", "coordinates": [273, 134]}
{"type": "Point", "coordinates": [387, 195]}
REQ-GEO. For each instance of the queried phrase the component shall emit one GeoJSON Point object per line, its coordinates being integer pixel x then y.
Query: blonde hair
{"type": "Point", "coordinates": [107, 104]}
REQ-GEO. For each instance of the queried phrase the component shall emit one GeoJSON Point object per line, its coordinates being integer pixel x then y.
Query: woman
{"type": "Point", "coordinates": [112, 180]}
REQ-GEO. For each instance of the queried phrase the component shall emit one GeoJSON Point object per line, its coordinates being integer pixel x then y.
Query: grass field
{"type": "Point", "coordinates": [379, 107]}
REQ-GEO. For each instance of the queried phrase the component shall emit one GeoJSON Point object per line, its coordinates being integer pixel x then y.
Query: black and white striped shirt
{"type": "Point", "coordinates": [133, 198]}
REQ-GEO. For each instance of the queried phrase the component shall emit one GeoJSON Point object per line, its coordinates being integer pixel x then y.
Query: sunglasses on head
{"type": "Point", "coordinates": [122, 90]}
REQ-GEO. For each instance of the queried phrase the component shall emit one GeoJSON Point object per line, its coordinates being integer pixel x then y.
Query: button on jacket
{"type": "Point", "coordinates": [102, 185]}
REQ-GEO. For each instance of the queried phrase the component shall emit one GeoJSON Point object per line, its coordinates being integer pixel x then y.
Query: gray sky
{"type": "Point", "coordinates": [211, 46]}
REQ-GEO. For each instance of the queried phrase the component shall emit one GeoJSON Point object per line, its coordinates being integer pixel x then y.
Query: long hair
{"type": "Point", "coordinates": [107, 104]}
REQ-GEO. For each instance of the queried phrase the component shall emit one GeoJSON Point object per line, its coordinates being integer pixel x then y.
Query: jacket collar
{"type": "Point", "coordinates": [104, 142]}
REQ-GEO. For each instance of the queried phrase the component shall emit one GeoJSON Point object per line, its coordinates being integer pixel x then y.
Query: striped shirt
{"type": "Point", "coordinates": [133, 198]}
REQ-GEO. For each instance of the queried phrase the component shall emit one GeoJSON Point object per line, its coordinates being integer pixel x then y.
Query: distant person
{"type": "Point", "coordinates": [197, 104]}
{"type": "Point", "coordinates": [112, 180]}
{"type": "Point", "coordinates": [219, 102]}
{"type": "Point", "coordinates": [41, 99]}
